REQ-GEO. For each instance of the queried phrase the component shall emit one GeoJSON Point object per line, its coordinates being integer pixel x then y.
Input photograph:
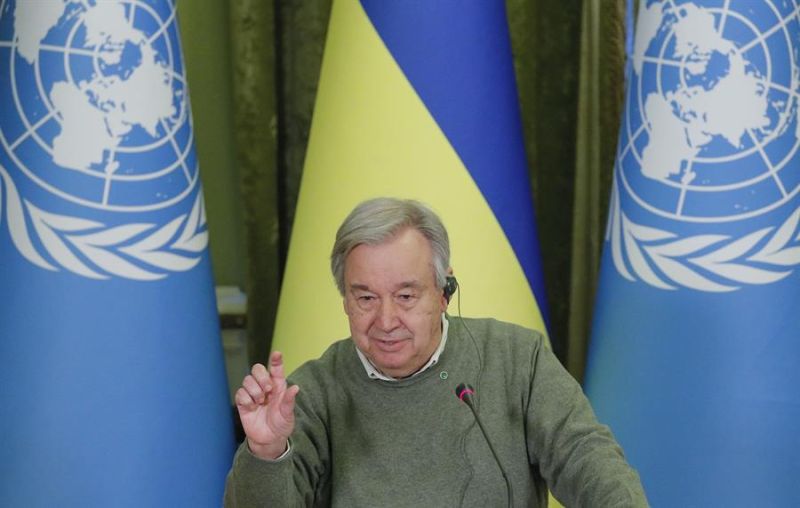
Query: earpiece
{"type": "Point", "coordinates": [450, 286]}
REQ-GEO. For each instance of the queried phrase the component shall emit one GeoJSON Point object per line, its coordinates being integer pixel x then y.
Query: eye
{"type": "Point", "coordinates": [406, 299]}
{"type": "Point", "coordinates": [366, 301]}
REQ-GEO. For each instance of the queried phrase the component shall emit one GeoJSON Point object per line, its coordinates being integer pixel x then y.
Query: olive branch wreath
{"type": "Point", "coordinates": [667, 261]}
{"type": "Point", "coordinates": [137, 251]}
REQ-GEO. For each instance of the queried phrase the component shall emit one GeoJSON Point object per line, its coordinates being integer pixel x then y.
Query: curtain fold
{"type": "Point", "coordinates": [545, 40]}
{"type": "Point", "coordinates": [255, 119]}
{"type": "Point", "coordinates": [602, 60]}
{"type": "Point", "coordinates": [301, 28]}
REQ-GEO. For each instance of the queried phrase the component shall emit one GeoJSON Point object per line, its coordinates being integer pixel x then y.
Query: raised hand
{"type": "Point", "coordinates": [266, 408]}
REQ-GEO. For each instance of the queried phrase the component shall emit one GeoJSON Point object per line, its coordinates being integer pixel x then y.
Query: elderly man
{"type": "Point", "coordinates": [377, 422]}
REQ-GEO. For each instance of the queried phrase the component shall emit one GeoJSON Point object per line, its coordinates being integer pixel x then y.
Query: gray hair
{"type": "Point", "coordinates": [376, 221]}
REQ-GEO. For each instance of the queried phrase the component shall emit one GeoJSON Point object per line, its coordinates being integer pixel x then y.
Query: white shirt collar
{"type": "Point", "coordinates": [374, 373]}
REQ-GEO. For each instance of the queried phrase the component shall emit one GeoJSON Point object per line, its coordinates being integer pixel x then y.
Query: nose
{"type": "Point", "coordinates": [387, 318]}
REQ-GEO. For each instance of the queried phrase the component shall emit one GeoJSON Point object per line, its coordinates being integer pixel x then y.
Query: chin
{"type": "Point", "coordinates": [391, 365]}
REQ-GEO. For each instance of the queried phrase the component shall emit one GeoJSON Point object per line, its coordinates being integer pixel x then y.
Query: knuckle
{"type": "Point", "coordinates": [250, 385]}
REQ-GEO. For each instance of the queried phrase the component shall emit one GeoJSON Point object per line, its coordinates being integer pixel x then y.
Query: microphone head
{"type": "Point", "coordinates": [464, 392]}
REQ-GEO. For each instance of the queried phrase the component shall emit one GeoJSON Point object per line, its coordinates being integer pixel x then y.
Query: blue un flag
{"type": "Point", "coordinates": [695, 357]}
{"type": "Point", "coordinates": [112, 382]}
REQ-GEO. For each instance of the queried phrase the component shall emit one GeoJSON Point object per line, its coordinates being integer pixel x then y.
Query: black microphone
{"type": "Point", "coordinates": [465, 393]}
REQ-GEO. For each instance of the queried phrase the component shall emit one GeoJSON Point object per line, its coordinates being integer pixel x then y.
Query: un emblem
{"type": "Point", "coordinates": [707, 156]}
{"type": "Point", "coordinates": [97, 167]}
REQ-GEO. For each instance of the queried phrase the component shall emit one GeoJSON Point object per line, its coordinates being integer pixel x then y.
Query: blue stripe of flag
{"type": "Point", "coordinates": [457, 56]}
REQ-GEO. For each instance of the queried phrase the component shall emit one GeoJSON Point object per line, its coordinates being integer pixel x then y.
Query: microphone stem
{"type": "Point", "coordinates": [496, 457]}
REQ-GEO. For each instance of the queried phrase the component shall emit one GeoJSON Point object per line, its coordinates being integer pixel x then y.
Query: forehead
{"type": "Point", "coordinates": [404, 258]}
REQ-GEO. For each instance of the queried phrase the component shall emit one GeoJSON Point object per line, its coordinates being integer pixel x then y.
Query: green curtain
{"type": "Point", "coordinates": [568, 57]}
{"type": "Point", "coordinates": [253, 53]}
{"type": "Point", "coordinates": [600, 100]}
{"type": "Point", "coordinates": [545, 38]}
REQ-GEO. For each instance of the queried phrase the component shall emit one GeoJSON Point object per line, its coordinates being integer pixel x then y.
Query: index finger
{"type": "Point", "coordinates": [276, 366]}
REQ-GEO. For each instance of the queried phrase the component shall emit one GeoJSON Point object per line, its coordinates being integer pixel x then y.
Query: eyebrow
{"type": "Point", "coordinates": [413, 284]}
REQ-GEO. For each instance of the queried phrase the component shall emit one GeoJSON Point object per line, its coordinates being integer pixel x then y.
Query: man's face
{"type": "Point", "coordinates": [393, 304]}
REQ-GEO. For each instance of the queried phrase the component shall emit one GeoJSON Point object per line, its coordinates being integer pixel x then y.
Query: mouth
{"type": "Point", "coordinates": [389, 345]}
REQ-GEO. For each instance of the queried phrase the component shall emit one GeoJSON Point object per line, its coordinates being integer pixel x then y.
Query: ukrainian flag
{"type": "Point", "coordinates": [695, 354]}
{"type": "Point", "coordinates": [416, 99]}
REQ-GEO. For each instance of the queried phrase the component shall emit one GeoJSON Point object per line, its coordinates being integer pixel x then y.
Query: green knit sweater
{"type": "Point", "coordinates": [360, 442]}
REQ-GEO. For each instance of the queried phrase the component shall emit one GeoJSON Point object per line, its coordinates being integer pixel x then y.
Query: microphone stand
{"type": "Point", "coordinates": [464, 393]}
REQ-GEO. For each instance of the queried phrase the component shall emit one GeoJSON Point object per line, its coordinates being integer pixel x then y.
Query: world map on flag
{"type": "Point", "coordinates": [707, 177]}
{"type": "Point", "coordinates": [97, 158]}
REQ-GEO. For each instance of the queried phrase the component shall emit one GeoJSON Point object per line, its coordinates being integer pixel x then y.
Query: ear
{"type": "Point", "coordinates": [449, 288]}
